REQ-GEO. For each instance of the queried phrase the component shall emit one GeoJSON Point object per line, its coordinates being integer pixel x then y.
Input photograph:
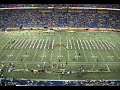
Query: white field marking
{"type": "Point", "coordinates": [73, 42]}
{"type": "Point", "coordinates": [27, 44]}
{"type": "Point", "coordinates": [109, 45]}
{"type": "Point", "coordinates": [45, 43]}
{"type": "Point", "coordinates": [10, 54]}
{"type": "Point", "coordinates": [112, 44]}
{"type": "Point", "coordinates": [91, 44]}
{"type": "Point", "coordinates": [75, 63]}
{"type": "Point", "coordinates": [3, 53]}
{"type": "Point", "coordinates": [85, 44]}
{"type": "Point", "coordinates": [60, 47]}
{"type": "Point", "coordinates": [108, 68]}
{"type": "Point", "coordinates": [99, 45]}
{"type": "Point", "coordinates": [26, 66]}
{"type": "Point", "coordinates": [21, 43]}
{"type": "Point", "coordinates": [83, 50]}
{"type": "Point", "coordinates": [13, 44]}
{"type": "Point", "coordinates": [75, 48]}
{"type": "Point", "coordinates": [81, 44]}
{"type": "Point", "coordinates": [1, 37]}
{"type": "Point", "coordinates": [76, 54]}
{"type": "Point", "coordinates": [106, 51]}
{"type": "Point", "coordinates": [67, 43]}
{"type": "Point", "coordinates": [49, 44]}
{"type": "Point", "coordinates": [18, 43]}
{"type": "Point", "coordinates": [92, 67]}
{"type": "Point", "coordinates": [84, 55]}
{"type": "Point", "coordinates": [115, 52]}
{"type": "Point", "coordinates": [109, 55]}
{"type": "Point", "coordinates": [102, 44]}
{"type": "Point", "coordinates": [78, 44]}
{"type": "Point", "coordinates": [51, 55]}
{"type": "Point", "coordinates": [53, 42]}
{"type": "Point", "coordinates": [68, 50]}
{"type": "Point", "coordinates": [13, 51]}
{"type": "Point", "coordinates": [38, 44]}
{"type": "Point", "coordinates": [70, 43]}
{"type": "Point", "coordinates": [88, 44]}
{"type": "Point", "coordinates": [92, 53]}
{"type": "Point", "coordinates": [5, 50]}
{"type": "Point", "coordinates": [34, 44]}
{"type": "Point", "coordinates": [21, 50]}
{"type": "Point", "coordinates": [24, 44]}
{"type": "Point", "coordinates": [31, 43]}
{"type": "Point", "coordinates": [35, 52]}
{"type": "Point", "coordinates": [106, 45]}
{"type": "Point", "coordinates": [95, 44]}
{"type": "Point", "coordinates": [101, 56]}
{"type": "Point", "coordinates": [52, 50]}
{"type": "Point", "coordinates": [5, 45]}
{"type": "Point", "coordinates": [40, 41]}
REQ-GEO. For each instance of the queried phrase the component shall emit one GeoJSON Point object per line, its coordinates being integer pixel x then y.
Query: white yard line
{"type": "Point", "coordinates": [21, 43]}
{"type": "Point", "coordinates": [3, 53]}
{"type": "Point", "coordinates": [38, 44]}
{"type": "Point", "coordinates": [70, 43]}
{"type": "Point", "coordinates": [52, 50]}
{"type": "Point", "coordinates": [88, 44]}
{"type": "Point", "coordinates": [108, 68]}
{"type": "Point", "coordinates": [35, 52]}
{"type": "Point", "coordinates": [5, 45]}
{"type": "Point", "coordinates": [84, 43]}
{"type": "Point", "coordinates": [31, 44]}
{"type": "Point", "coordinates": [60, 48]}
{"type": "Point", "coordinates": [106, 44]}
{"type": "Point", "coordinates": [13, 44]}
{"type": "Point", "coordinates": [29, 48]}
{"type": "Point", "coordinates": [2, 37]}
{"type": "Point", "coordinates": [83, 50]}
{"type": "Point", "coordinates": [78, 44]}
{"type": "Point", "coordinates": [113, 50]}
{"type": "Point", "coordinates": [17, 43]}
{"type": "Point", "coordinates": [27, 44]}
{"type": "Point", "coordinates": [75, 63]}
{"type": "Point", "coordinates": [34, 44]}
{"type": "Point", "coordinates": [106, 51]}
{"type": "Point", "coordinates": [75, 48]}
{"type": "Point", "coordinates": [13, 51]}
{"type": "Point", "coordinates": [73, 42]}
{"type": "Point", "coordinates": [49, 44]}
{"type": "Point", "coordinates": [99, 44]}
{"type": "Point", "coordinates": [26, 66]}
{"type": "Point", "coordinates": [44, 50]}
{"type": "Point", "coordinates": [92, 52]}
{"type": "Point", "coordinates": [92, 67]}
{"type": "Point", "coordinates": [68, 49]}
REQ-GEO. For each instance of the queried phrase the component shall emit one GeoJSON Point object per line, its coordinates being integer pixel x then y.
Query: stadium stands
{"type": "Point", "coordinates": [61, 5]}
{"type": "Point", "coordinates": [27, 82]}
{"type": "Point", "coordinates": [82, 19]}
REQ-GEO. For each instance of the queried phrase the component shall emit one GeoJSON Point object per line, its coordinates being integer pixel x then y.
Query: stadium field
{"type": "Point", "coordinates": [60, 55]}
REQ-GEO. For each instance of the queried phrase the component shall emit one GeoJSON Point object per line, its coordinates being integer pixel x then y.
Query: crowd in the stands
{"type": "Point", "coordinates": [61, 5]}
{"type": "Point", "coordinates": [83, 18]}
{"type": "Point", "coordinates": [25, 82]}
